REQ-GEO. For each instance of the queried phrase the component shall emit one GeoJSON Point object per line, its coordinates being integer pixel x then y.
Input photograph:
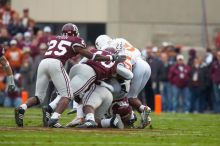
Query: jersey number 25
{"type": "Point", "coordinates": [61, 46]}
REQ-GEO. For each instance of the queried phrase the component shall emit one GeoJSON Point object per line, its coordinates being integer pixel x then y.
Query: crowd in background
{"type": "Point", "coordinates": [191, 85]}
{"type": "Point", "coordinates": [24, 46]}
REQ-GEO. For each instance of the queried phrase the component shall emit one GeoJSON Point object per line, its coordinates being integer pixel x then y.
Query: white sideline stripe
{"type": "Point", "coordinates": [71, 143]}
{"type": "Point", "coordinates": [153, 134]}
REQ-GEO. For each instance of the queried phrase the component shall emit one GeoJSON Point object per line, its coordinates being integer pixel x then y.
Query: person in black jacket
{"type": "Point", "coordinates": [166, 87]}
{"type": "Point", "coordinates": [199, 83]}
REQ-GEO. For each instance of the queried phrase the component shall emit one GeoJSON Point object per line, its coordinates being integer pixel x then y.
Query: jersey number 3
{"type": "Point", "coordinates": [61, 47]}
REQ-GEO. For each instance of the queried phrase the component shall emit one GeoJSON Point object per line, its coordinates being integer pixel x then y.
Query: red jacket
{"type": "Point", "coordinates": [179, 75]}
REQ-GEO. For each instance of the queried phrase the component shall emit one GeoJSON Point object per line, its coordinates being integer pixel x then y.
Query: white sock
{"type": "Point", "coordinates": [55, 115]}
{"type": "Point", "coordinates": [90, 116]}
{"type": "Point", "coordinates": [132, 115]}
{"type": "Point", "coordinates": [75, 104]}
{"type": "Point", "coordinates": [79, 112]}
{"type": "Point", "coordinates": [105, 123]}
{"type": "Point", "coordinates": [142, 107]}
{"type": "Point", "coordinates": [54, 103]}
{"type": "Point", "coordinates": [23, 106]}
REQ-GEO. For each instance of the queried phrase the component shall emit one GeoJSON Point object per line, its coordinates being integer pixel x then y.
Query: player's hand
{"type": "Point", "coordinates": [11, 88]}
{"type": "Point", "coordinates": [119, 58]}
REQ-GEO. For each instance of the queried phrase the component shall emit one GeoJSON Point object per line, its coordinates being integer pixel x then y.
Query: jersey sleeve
{"type": "Point", "coordinates": [124, 72]}
{"type": "Point", "coordinates": [79, 42]}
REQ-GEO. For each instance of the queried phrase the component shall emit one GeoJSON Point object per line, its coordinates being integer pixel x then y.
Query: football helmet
{"type": "Point", "coordinates": [101, 41]}
{"type": "Point", "coordinates": [70, 29]}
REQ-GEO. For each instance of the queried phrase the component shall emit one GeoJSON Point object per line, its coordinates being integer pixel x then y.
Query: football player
{"type": "Point", "coordinates": [140, 69]}
{"type": "Point", "coordinates": [5, 64]}
{"type": "Point", "coordinates": [61, 48]}
{"type": "Point", "coordinates": [116, 88]}
{"type": "Point", "coordinates": [85, 74]}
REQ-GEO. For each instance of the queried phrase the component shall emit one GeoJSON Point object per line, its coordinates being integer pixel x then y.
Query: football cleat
{"type": "Point", "coordinates": [144, 117]}
{"type": "Point", "coordinates": [53, 123]}
{"type": "Point", "coordinates": [76, 121]}
{"type": "Point", "coordinates": [132, 121]}
{"type": "Point", "coordinates": [46, 115]}
{"type": "Point", "coordinates": [116, 122]}
{"type": "Point", "coordinates": [19, 115]}
{"type": "Point", "coordinates": [88, 124]}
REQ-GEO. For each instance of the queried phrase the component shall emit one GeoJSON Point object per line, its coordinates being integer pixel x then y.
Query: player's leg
{"type": "Point", "coordinates": [142, 73]}
{"type": "Point", "coordinates": [113, 122]}
{"type": "Point", "coordinates": [91, 101]}
{"type": "Point", "coordinates": [40, 93]}
{"type": "Point", "coordinates": [62, 83]}
{"type": "Point", "coordinates": [85, 75]}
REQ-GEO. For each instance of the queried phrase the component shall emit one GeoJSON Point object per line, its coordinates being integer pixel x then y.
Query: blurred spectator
{"type": "Point", "coordinates": [14, 99]}
{"type": "Point", "coordinates": [14, 56]}
{"type": "Point", "coordinates": [199, 86]}
{"type": "Point", "coordinates": [194, 85]}
{"type": "Point", "coordinates": [217, 40]}
{"type": "Point", "coordinates": [179, 75]}
{"type": "Point", "coordinates": [7, 13]}
{"type": "Point", "coordinates": [215, 76]}
{"type": "Point", "coordinates": [208, 59]}
{"type": "Point", "coordinates": [4, 37]}
{"type": "Point", "coordinates": [192, 57]}
{"type": "Point", "coordinates": [27, 42]}
{"type": "Point", "coordinates": [36, 62]}
{"type": "Point", "coordinates": [26, 20]}
{"type": "Point", "coordinates": [166, 87]}
{"type": "Point", "coordinates": [15, 25]}
{"type": "Point", "coordinates": [46, 35]}
{"type": "Point", "coordinates": [155, 64]}
{"type": "Point", "coordinates": [35, 49]}
{"type": "Point", "coordinates": [25, 70]}
{"type": "Point", "coordinates": [171, 54]}
{"type": "Point", "coordinates": [19, 38]}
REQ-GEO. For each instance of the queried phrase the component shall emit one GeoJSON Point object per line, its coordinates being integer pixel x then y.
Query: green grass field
{"type": "Point", "coordinates": [168, 129]}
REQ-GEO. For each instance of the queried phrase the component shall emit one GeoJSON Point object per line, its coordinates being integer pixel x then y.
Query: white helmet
{"type": "Point", "coordinates": [101, 41]}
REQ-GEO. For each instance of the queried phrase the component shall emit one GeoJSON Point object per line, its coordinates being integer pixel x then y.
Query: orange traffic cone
{"type": "Point", "coordinates": [24, 96]}
{"type": "Point", "coordinates": [157, 104]}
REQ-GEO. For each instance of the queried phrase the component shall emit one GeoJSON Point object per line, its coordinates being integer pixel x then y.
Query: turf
{"type": "Point", "coordinates": [167, 129]}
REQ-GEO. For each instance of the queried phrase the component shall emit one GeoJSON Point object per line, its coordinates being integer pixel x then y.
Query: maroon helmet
{"type": "Point", "coordinates": [70, 29]}
{"type": "Point", "coordinates": [111, 50]}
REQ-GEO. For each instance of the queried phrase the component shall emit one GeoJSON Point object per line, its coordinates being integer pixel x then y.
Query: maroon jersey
{"type": "Point", "coordinates": [62, 47]}
{"type": "Point", "coordinates": [103, 69]}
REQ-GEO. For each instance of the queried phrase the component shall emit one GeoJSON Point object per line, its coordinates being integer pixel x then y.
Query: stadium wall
{"type": "Point", "coordinates": [143, 22]}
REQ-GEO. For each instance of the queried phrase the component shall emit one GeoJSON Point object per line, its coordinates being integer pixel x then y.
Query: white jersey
{"type": "Point", "coordinates": [127, 49]}
{"type": "Point", "coordinates": [140, 68]}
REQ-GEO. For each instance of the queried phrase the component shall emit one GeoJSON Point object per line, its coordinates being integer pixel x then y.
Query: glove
{"type": "Point", "coordinates": [119, 58]}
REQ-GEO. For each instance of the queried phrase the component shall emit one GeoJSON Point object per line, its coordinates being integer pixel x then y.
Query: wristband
{"type": "Point", "coordinates": [111, 58]}
{"type": "Point", "coordinates": [93, 57]}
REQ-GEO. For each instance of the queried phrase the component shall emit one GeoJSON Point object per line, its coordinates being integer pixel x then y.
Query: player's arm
{"type": "Point", "coordinates": [10, 78]}
{"type": "Point", "coordinates": [84, 59]}
{"type": "Point", "coordinates": [124, 72]}
{"type": "Point", "coordinates": [97, 57]}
